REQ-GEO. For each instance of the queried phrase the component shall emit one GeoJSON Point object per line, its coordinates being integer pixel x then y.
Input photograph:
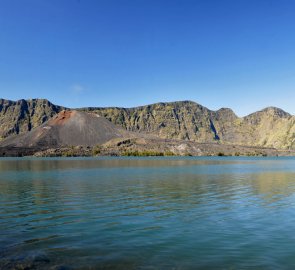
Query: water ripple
{"type": "Point", "coordinates": [147, 213]}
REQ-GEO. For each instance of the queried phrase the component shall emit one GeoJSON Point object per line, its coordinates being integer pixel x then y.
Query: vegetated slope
{"type": "Point", "coordinates": [69, 128]}
{"type": "Point", "coordinates": [21, 116]}
{"type": "Point", "coordinates": [187, 120]}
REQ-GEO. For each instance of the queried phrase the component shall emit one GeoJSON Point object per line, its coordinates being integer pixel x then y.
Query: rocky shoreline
{"type": "Point", "coordinates": [145, 147]}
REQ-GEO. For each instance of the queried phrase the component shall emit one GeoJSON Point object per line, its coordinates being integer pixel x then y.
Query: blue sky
{"type": "Point", "coordinates": [238, 54]}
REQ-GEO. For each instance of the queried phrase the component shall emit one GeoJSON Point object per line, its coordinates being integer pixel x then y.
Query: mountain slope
{"type": "Point", "coordinates": [21, 116]}
{"type": "Point", "coordinates": [271, 127]}
{"type": "Point", "coordinates": [185, 120]}
{"type": "Point", "coordinates": [69, 128]}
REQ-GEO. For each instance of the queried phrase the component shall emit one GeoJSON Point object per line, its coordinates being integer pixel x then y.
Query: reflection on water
{"type": "Point", "coordinates": [147, 213]}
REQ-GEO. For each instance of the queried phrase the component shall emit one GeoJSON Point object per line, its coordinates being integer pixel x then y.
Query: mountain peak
{"type": "Point", "coordinates": [272, 111]}
{"type": "Point", "coordinates": [226, 110]}
{"type": "Point", "coordinates": [70, 128]}
{"type": "Point", "coordinates": [277, 111]}
{"type": "Point", "coordinates": [185, 120]}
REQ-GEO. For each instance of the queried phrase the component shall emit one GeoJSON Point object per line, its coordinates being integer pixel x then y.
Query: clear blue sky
{"type": "Point", "coordinates": [238, 54]}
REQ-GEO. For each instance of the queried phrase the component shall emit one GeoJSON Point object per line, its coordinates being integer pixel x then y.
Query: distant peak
{"type": "Point", "coordinates": [226, 111]}
{"type": "Point", "coordinates": [179, 102]}
{"type": "Point", "coordinates": [274, 111]}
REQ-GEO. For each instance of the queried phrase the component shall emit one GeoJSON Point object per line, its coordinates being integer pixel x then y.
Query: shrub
{"type": "Point", "coordinates": [96, 150]}
{"type": "Point", "coordinates": [144, 153]}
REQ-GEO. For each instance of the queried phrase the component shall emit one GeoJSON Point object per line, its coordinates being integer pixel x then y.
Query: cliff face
{"type": "Point", "coordinates": [21, 116]}
{"type": "Point", "coordinates": [177, 120]}
{"type": "Point", "coordinates": [186, 120]}
{"type": "Point", "coordinates": [69, 128]}
{"type": "Point", "coordinates": [271, 127]}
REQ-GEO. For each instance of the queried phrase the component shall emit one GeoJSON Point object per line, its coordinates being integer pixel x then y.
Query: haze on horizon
{"type": "Point", "coordinates": [236, 54]}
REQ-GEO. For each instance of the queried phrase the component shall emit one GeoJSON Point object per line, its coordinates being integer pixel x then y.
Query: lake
{"type": "Point", "coordinates": [147, 213]}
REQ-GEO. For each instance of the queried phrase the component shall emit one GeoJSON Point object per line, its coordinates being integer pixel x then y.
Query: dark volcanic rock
{"type": "Point", "coordinates": [68, 128]}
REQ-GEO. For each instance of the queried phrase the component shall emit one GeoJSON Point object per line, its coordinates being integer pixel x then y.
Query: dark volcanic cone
{"type": "Point", "coordinates": [70, 128]}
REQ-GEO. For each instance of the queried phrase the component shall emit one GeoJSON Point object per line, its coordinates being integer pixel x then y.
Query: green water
{"type": "Point", "coordinates": [147, 213]}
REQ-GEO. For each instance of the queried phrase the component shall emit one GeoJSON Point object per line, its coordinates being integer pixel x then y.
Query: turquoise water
{"type": "Point", "coordinates": [147, 213]}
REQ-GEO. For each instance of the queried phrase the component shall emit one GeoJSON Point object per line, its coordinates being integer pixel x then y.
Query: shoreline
{"type": "Point", "coordinates": [182, 150]}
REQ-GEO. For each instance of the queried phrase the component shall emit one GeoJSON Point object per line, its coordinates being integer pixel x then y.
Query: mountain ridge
{"type": "Point", "coordinates": [183, 120]}
{"type": "Point", "coordinates": [142, 106]}
{"type": "Point", "coordinates": [69, 128]}
{"type": "Point", "coordinates": [185, 102]}
{"type": "Point", "coordinates": [23, 115]}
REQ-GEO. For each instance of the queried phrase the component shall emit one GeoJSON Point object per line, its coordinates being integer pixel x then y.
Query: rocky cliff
{"type": "Point", "coordinates": [185, 120]}
{"type": "Point", "coordinates": [69, 128]}
{"type": "Point", "coordinates": [21, 116]}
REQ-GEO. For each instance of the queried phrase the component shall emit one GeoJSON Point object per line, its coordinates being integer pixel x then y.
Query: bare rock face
{"type": "Point", "coordinates": [21, 116]}
{"type": "Point", "coordinates": [185, 120]}
{"type": "Point", "coordinates": [69, 128]}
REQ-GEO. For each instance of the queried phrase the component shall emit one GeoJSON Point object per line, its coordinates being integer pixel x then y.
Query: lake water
{"type": "Point", "coordinates": [147, 213]}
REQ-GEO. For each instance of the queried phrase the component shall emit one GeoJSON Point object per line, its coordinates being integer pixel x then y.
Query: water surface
{"type": "Point", "coordinates": [147, 213]}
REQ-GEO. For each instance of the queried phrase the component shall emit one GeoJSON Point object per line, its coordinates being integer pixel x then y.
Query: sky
{"type": "Point", "coordinates": [218, 53]}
